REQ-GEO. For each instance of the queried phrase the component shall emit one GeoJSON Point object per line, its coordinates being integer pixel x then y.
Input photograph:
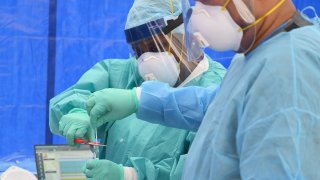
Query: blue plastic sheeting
{"type": "Point", "coordinates": [81, 34]}
{"type": "Point", "coordinates": [23, 61]}
{"type": "Point", "coordinates": [18, 159]}
{"type": "Point", "coordinates": [301, 4]}
{"type": "Point", "coordinates": [87, 32]}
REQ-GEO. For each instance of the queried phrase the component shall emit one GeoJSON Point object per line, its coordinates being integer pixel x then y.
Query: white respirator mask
{"type": "Point", "coordinates": [215, 25]}
{"type": "Point", "coordinates": [160, 66]}
{"type": "Point", "coordinates": [17, 173]}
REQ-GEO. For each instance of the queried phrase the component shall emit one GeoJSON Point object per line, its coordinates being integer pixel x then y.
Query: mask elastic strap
{"type": "Point", "coordinates": [181, 54]}
{"type": "Point", "coordinates": [264, 16]}
{"type": "Point", "coordinates": [172, 12]}
{"type": "Point", "coordinates": [224, 7]}
{"type": "Point", "coordinates": [171, 34]}
{"type": "Point", "coordinates": [171, 5]}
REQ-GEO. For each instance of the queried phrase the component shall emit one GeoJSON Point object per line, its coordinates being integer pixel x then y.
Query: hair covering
{"type": "Point", "coordinates": [143, 11]}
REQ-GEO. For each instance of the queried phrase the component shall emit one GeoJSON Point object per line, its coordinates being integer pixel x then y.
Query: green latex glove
{"type": "Point", "coordinates": [96, 169]}
{"type": "Point", "coordinates": [108, 105]}
{"type": "Point", "coordinates": [76, 124]}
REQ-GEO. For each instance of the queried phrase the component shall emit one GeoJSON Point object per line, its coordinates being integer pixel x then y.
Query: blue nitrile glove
{"type": "Point", "coordinates": [96, 169]}
{"type": "Point", "coordinates": [76, 124]}
{"type": "Point", "coordinates": [108, 105]}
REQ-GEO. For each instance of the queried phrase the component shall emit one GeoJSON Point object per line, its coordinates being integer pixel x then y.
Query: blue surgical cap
{"type": "Point", "coordinates": [143, 11]}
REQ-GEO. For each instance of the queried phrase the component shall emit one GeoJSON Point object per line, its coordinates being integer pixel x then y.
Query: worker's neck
{"type": "Point", "coordinates": [272, 22]}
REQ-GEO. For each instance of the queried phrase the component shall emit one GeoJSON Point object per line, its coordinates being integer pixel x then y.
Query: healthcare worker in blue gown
{"type": "Point", "coordinates": [137, 149]}
{"type": "Point", "coordinates": [264, 121]}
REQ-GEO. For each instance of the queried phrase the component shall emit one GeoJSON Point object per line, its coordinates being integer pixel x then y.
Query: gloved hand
{"type": "Point", "coordinates": [108, 105]}
{"type": "Point", "coordinates": [76, 124]}
{"type": "Point", "coordinates": [96, 169]}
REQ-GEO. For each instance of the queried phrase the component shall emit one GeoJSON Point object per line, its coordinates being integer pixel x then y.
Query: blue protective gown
{"type": "Point", "coordinates": [264, 121]}
{"type": "Point", "coordinates": [155, 151]}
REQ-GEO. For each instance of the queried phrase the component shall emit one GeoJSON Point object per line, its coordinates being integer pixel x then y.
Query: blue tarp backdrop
{"type": "Point", "coordinates": [45, 46]}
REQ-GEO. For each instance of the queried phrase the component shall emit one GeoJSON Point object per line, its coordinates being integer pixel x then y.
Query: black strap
{"type": "Point", "coordinates": [296, 22]}
{"type": "Point", "coordinates": [173, 24]}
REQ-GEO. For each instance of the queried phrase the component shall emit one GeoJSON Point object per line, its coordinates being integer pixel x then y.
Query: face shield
{"type": "Point", "coordinates": [159, 47]}
{"type": "Point", "coordinates": [219, 26]}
